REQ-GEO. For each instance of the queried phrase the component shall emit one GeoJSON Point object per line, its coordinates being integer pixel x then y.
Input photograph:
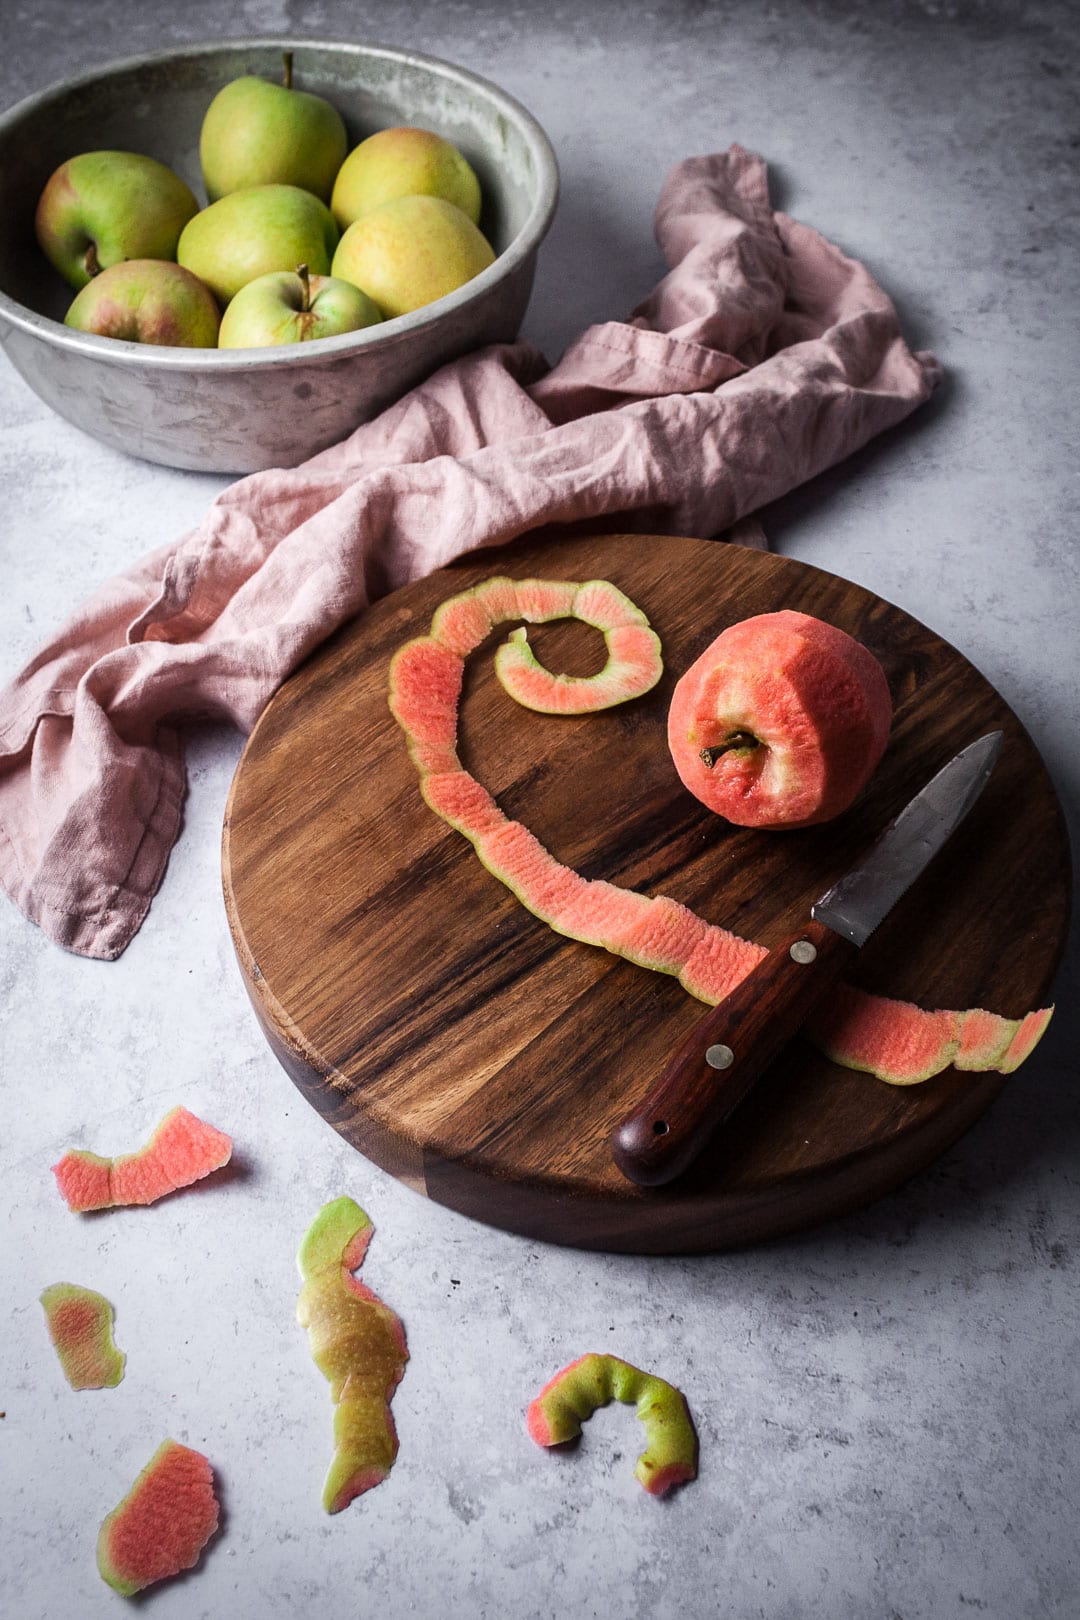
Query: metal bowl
{"type": "Point", "coordinates": [238, 411]}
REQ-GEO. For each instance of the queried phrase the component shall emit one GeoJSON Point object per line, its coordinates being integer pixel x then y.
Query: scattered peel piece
{"type": "Point", "coordinates": [80, 1323]}
{"type": "Point", "coordinates": [575, 1393]}
{"type": "Point", "coordinates": [892, 1040]}
{"type": "Point", "coordinates": [162, 1524]}
{"type": "Point", "coordinates": [357, 1342]}
{"type": "Point", "coordinates": [182, 1150]}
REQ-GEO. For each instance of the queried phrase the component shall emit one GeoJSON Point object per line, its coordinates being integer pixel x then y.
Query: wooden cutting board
{"type": "Point", "coordinates": [483, 1059]}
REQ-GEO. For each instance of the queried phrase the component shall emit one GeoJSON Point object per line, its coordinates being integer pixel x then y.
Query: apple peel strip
{"type": "Point", "coordinates": [893, 1040]}
{"type": "Point", "coordinates": [357, 1342]}
{"type": "Point", "coordinates": [182, 1150]}
{"type": "Point", "coordinates": [592, 1381]}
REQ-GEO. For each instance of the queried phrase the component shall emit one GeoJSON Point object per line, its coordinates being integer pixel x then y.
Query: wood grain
{"type": "Point", "coordinates": [483, 1059]}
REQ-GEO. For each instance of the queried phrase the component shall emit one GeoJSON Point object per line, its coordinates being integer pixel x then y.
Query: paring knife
{"type": "Point", "coordinates": [726, 1052]}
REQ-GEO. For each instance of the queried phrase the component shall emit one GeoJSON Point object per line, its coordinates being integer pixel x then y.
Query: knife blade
{"type": "Point", "coordinates": [731, 1046]}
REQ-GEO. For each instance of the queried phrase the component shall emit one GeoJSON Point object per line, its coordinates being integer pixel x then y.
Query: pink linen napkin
{"type": "Point", "coordinates": [763, 357]}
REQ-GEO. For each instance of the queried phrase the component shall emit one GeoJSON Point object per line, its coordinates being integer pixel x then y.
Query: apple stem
{"type": "Point", "coordinates": [91, 262]}
{"type": "Point", "coordinates": [738, 739]}
{"type": "Point", "coordinates": [286, 57]}
{"type": "Point", "coordinates": [305, 282]}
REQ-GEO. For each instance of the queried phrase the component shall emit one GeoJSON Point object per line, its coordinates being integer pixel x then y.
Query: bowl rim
{"type": "Point", "coordinates": [119, 351]}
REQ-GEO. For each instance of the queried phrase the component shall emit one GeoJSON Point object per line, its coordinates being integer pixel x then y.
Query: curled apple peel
{"type": "Point", "coordinates": [575, 1393]}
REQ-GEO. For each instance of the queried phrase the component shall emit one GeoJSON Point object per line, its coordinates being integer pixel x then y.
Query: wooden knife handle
{"type": "Point", "coordinates": [724, 1054]}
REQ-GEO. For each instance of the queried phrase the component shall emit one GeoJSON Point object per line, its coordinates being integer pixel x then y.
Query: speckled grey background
{"type": "Point", "coordinates": [888, 1407]}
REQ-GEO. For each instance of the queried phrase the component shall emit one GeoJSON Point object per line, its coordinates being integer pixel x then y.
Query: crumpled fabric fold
{"type": "Point", "coordinates": [762, 357]}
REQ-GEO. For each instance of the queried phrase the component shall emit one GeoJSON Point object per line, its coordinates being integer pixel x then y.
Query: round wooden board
{"type": "Point", "coordinates": [469, 1050]}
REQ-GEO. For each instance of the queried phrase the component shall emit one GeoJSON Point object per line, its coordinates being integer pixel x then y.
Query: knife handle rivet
{"type": "Point", "coordinates": [719, 1057]}
{"type": "Point", "coordinates": [802, 951]}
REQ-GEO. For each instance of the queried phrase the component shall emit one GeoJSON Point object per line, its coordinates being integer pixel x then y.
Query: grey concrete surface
{"type": "Point", "coordinates": [887, 1407]}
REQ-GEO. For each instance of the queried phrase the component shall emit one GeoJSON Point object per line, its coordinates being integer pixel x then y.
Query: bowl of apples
{"type": "Point", "coordinates": [227, 257]}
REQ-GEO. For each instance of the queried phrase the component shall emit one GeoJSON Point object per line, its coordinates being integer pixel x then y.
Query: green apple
{"type": "Point", "coordinates": [249, 233]}
{"type": "Point", "coordinates": [403, 162]}
{"type": "Point", "coordinates": [256, 134]}
{"type": "Point", "coordinates": [410, 252]}
{"type": "Point", "coordinates": [147, 301]}
{"type": "Point", "coordinates": [293, 307]}
{"type": "Point", "coordinates": [102, 207]}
